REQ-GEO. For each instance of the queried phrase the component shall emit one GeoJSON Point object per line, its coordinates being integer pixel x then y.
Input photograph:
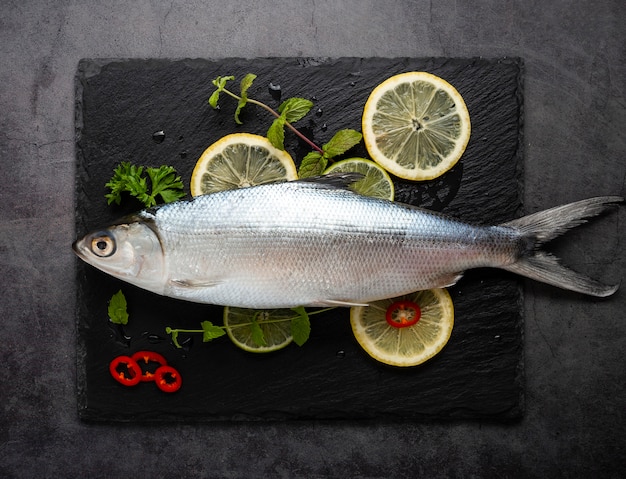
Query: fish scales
{"type": "Point", "coordinates": [307, 243]}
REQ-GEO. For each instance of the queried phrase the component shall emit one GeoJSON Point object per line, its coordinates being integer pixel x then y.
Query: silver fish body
{"type": "Point", "coordinates": [313, 243]}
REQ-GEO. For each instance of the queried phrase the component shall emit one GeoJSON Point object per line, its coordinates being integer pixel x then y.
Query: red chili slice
{"type": "Point", "coordinates": [402, 314]}
{"type": "Point", "coordinates": [147, 361]}
{"type": "Point", "coordinates": [125, 370]}
{"type": "Point", "coordinates": [168, 379]}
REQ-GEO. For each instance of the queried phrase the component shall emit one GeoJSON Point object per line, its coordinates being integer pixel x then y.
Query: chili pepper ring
{"type": "Point", "coordinates": [168, 379]}
{"type": "Point", "coordinates": [125, 370]}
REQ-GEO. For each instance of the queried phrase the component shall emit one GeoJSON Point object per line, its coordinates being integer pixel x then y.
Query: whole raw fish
{"type": "Point", "coordinates": [316, 243]}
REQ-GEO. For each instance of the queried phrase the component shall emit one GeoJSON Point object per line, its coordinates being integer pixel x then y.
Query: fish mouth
{"type": "Point", "coordinates": [80, 249]}
{"type": "Point", "coordinates": [76, 248]}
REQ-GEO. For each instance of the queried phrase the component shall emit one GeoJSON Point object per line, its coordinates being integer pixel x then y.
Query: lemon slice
{"type": "Point", "coordinates": [375, 181]}
{"type": "Point", "coordinates": [404, 331]}
{"type": "Point", "coordinates": [240, 160]}
{"type": "Point", "coordinates": [275, 325]}
{"type": "Point", "coordinates": [416, 125]}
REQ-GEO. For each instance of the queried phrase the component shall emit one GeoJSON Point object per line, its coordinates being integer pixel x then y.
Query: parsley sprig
{"type": "Point", "coordinates": [164, 182]}
{"type": "Point", "coordinates": [290, 111]}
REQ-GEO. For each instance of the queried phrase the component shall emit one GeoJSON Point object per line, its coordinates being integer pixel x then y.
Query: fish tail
{"type": "Point", "coordinates": [541, 227]}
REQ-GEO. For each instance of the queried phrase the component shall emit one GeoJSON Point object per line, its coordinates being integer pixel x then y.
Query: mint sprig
{"type": "Point", "coordinates": [243, 99]}
{"type": "Point", "coordinates": [290, 111]}
{"type": "Point", "coordinates": [300, 328]}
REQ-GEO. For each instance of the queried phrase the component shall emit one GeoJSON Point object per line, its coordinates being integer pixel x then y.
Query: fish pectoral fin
{"type": "Point", "coordinates": [448, 280]}
{"type": "Point", "coordinates": [194, 283]}
{"type": "Point", "coordinates": [347, 304]}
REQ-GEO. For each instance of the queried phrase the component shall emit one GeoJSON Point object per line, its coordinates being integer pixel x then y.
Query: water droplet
{"type": "Point", "coordinates": [181, 138]}
{"type": "Point", "coordinates": [341, 354]}
{"type": "Point", "coordinates": [119, 333]}
{"type": "Point", "coordinates": [183, 154]}
{"type": "Point", "coordinates": [324, 127]}
{"type": "Point", "coordinates": [313, 98]}
{"type": "Point", "coordinates": [497, 337]}
{"type": "Point", "coordinates": [158, 136]}
{"type": "Point", "coordinates": [275, 91]}
{"type": "Point", "coordinates": [319, 112]}
{"type": "Point", "coordinates": [186, 344]}
{"type": "Point", "coordinates": [352, 83]}
{"type": "Point", "coordinates": [152, 338]}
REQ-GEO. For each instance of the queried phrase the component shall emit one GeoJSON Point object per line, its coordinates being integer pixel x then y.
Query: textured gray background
{"type": "Point", "coordinates": [575, 111]}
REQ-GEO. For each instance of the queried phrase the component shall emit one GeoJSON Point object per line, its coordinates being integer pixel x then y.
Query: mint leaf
{"type": "Point", "coordinates": [276, 133]}
{"type": "Point", "coordinates": [312, 164]}
{"type": "Point", "coordinates": [341, 142]}
{"type": "Point", "coordinates": [210, 331]}
{"type": "Point", "coordinates": [117, 308]}
{"type": "Point", "coordinates": [214, 98]}
{"type": "Point", "coordinates": [293, 109]}
{"type": "Point", "coordinates": [290, 111]}
{"type": "Point", "coordinates": [257, 334]}
{"type": "Point", "coordinates": [220, 83]}
{"type": "Point", "coordinates": [245, 84]}
{"type": "Point", "coordinates": [300, 326]}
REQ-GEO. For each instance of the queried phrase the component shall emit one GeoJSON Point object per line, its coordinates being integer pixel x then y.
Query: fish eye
{"type": "Point", "coordinates": [103, 244]}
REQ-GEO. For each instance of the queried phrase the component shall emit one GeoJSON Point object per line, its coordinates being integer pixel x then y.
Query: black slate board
{"type": "Point", "coordinates": [479, 374]}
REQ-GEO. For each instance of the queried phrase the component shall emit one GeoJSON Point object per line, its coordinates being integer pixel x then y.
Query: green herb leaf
{"type": "Point", "coordinates": [220, 83]}
{"type": "Point", "coordinates": [341, 142]}
{"type": "Point", "coordinates": [300, 326]}
{"type": "Point", "coordinates": [128, 178]}
{"type": "Point", "coordinates": [257, 334]}
{"type": "Point", "coordinates": [245, 84]}
{"type": "Point", "coordinates": [293, 109]}
{"type": "Point", "coordinates": [166, 183]}
{"type": "Point", "coordinates": [214, 98]}
{"type": "Point", "coordinates": [276, 133]}
{"type": "Point", "coordinates": [121, 181]}
{"type": "Point", "coordinates": [174, 333]}
{"type": "Point", "coordinates": [117, 308]}
{"type": "Point", "coordinates": [313, 164]}
{"type": "Point", "coordinates": [210, 331]}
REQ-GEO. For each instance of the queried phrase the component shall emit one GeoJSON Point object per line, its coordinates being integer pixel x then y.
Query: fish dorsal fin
{"type": "Point", "coordinates": [334, 180]}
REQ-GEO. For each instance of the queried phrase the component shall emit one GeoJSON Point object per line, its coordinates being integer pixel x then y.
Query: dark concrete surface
{"type": "Point", "coordinates": [575, 147]}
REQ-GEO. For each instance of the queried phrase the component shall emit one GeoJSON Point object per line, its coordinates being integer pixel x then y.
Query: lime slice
{"type": "Point", "coordinates": [243, 327]}
{"type": "Point", "coordinates": [404, 331]}
{"type": "Point", "coordinates": [240, 160]}
{"type": "Point", "coordinates": [375, 181]}
{"type": "Point", "coordinates": [416, 125]}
